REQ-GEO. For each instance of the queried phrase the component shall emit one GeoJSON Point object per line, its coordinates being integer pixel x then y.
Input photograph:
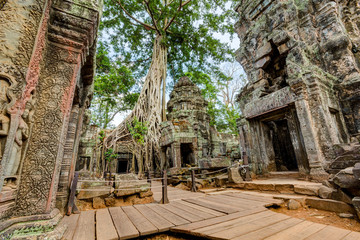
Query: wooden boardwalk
{"type": "Point", "coordinates": [221, 216]}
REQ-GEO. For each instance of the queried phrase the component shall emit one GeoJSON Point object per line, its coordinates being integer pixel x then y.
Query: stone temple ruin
{"type": "Point", "coordinates": [47, 51]}
{"type": "Point", "coordinates": [301, 105]}
{"type": "Point", "coordinates": [187, 139]}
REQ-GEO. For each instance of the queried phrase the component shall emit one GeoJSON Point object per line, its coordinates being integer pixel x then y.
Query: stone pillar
{"type": "Point", "coordinates": [63, 189]}
{"type": "Point", "coordinates": [176, 153]}
{"type": "Point", "coordinates": [65, 52]}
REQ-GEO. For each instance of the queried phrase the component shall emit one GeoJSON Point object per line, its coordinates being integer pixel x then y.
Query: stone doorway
{"type": "Point", "coordinates": [285, 158]}
{"type": "Point", "coordinates": [122, 166]}
{"type": "Point", "coordinates": [187, 154]}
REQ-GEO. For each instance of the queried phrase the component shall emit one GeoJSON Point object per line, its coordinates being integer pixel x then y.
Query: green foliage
{"type": "Point", "coordinates": [110, 155]}
{"type": "Point", "coordinates": [138, 130]}
{"type": "Point", "coordinates": [114, 89]}
{"type": "Point", "coordinates": [188, 32]}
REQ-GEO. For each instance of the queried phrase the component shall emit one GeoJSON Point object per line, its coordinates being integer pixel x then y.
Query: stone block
{"type": "Point", "coordinates": [251, 186]}
{"type": "Point", "coordinates": [146, 194]}
{"type": "Point", "coordinates": [293, 204]}
{"type": "Point", "coordinates": [346, 215]}
{"type": "Point", "coordinates": [145, 200]}
{"type": "Point", "coordinates": [92, 190]}
{"type": "Point", "coordinates": [128, 184]}
{"type": "Point", "coordinates": [266, 187]}
{"type": "Point", "coordinates": [329, 205]}
{"type": "Point", "coordinates": [263, 62]}
{"type": "Point", "coordinates": [356, 171]}
{"type": "Point", "coordinates": [98, 203]}
{"type": "Point", "coordinates": [280, 38]}
{"type": "Point", "coordinates": [234, 175]}
{"type": "Point", "coordinates": [130, 199]}
{"type": "Point", "coordinates": [283, 48]}
{"type": "Point", "coordinates": [356, 204]}
{"type": "Point", "coordinates": [346, 179]}
{"type": "Point", "coordinates": [221, 181]}
{"type": "Point", "coordinates": [182, 186]}
{"type": "Point", "coordinates": [284, 188]}
{"type": "Point", "coordinates": [110, 202]}
{"type": "Point", "coordinates": [339, 195]}
{"type": "Point", "coordinates": [265, 50]}
{"type": "Point", "coordinates": [326, 192]}
{"type": "Point", "coordinates": [307, 190]}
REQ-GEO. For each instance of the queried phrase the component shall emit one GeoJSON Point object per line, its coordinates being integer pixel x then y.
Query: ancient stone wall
{"type": "Point", "coordinates": [187, 137]}
{"type": "Point", "coordinates": [46, 71]}
{"type": "Point", "coordinates": [302, 63]}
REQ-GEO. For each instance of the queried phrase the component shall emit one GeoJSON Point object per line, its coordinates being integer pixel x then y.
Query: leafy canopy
{"type": "Point", "coordinates": [188, 28]}
{"type": "Point", "coordinates": [114, 89]}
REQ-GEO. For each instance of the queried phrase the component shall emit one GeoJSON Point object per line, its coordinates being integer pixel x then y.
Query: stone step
{"type": "Point", "coordinates": [285, 174]}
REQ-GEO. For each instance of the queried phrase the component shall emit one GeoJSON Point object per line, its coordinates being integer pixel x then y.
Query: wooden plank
{"type": "Point", "coordinates": [140, 222]}
{"type": "Point", "coordinates": [195, 211]}
{"type": "Point", "coordinates": [235, 202]}
{"type": "Point", "coordinates": [186, 215]}
{"type": "Point", "coordinates": [246, 227]}
{"type": "Point", "coordinates": [269, 230]}
{"type": "Point", "coordinates": [105, 229]}
{"type": "Point", "coordinates": [209, 222]}
{"type": "Point", "coordinates": [213, 205]}
{"type": "Point", "coordinates": [71, 222]}
{"type": "Point", "coordinates": [329, 233]}
{"type": "Point", "coordinates": [123, 225]}
{"type": "Point", "coordinates": [161, 223]}
{"type": "Point", "coordinates": [220, 227]}
{"type": "Point", "coordinates": [352, 236]}
{"type": "Point", "coordinates": [254, 198]}
{"type": "Point", "coordinates": [171, 217]}
{"type": "Point", "coordinates": [204, 209]}
{"type": "Point", "coordinates": [298, 232]}
{"type": "Point", "coordinates": [86, 226]}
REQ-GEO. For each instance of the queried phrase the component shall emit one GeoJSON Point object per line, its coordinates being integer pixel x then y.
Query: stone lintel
{"type": "Point", "coordinates": [273, 101]}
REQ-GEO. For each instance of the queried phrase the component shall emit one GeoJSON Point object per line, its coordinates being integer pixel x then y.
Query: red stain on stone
{"type": "Point", "coordinates": [32, 76]}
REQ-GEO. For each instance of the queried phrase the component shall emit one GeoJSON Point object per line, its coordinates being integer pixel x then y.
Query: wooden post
{"type": "Point", "coordinates": [193, 182]}
{"type": "Point", "coordinates": [149, 177]}
{"type": "Point", "coordinates": [164, 199]}
{"type": "Point", "coordinates": [246, 163]}
{"type": "Point", "coordinates": [71, 204]}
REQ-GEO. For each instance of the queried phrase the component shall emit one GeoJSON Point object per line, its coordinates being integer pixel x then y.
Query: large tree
{"type": "Point", "coordinates": [163, 37]}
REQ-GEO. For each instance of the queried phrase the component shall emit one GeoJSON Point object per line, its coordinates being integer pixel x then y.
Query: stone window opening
{"type": "Point", "coordinates": [276, 69]}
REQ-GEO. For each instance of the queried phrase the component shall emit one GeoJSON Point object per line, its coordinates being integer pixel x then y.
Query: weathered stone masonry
{"type": "Point", "coordinates": [47, 51]}
{"type": "Point", "coordinates": [302, 99]}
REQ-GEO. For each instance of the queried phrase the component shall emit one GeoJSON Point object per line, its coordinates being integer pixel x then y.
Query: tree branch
{"type": "Point", "coordinates": [130, 16]}
{"type": "Point", "coordinates": [181, 5]}
{"type": "Point", "coordinates": [152, 16]}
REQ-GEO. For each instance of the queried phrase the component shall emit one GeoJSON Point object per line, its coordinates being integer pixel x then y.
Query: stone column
{"type": "Point", "coordinates": [65, 52]}
{"type": "Point", "coordinates": [63, 189]}
{"type": "Point", "coordinates": [176, 153]}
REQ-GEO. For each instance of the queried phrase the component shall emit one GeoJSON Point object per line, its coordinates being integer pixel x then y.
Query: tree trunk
{"type": "Point", "coordinates": [147, 109]}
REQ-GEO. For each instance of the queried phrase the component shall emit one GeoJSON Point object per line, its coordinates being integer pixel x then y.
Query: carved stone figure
{"type": "Point", "coordinates": [4, 119]}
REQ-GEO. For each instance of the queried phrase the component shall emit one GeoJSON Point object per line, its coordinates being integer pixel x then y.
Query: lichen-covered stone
{"type": "Point", "coordinates": [302, 63]}
{"type": "Point", "coordinates": [187, 139]}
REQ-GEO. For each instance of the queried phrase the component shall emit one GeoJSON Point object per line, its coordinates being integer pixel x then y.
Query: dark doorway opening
{"type": "Point", "coordinates": [83, 164]}
{"type": "Point", "coordinates": [122, 166]}
{"type": "Point", "coordinates": [187, 154]}
{"type": "Point", "coordinates": [285, 159]}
